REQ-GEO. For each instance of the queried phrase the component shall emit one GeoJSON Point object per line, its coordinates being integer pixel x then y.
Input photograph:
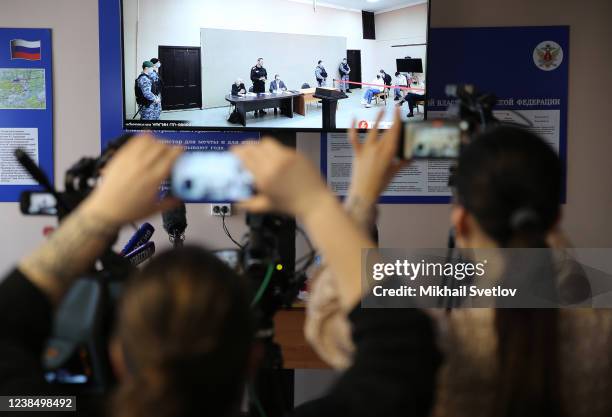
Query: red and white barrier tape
{"type": "Point", "coordinates": [401, 87]}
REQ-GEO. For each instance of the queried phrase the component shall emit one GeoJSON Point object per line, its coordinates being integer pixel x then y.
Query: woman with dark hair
{"type": "Point", "coordinates": [183, 339]}
{"type": "Point", "coordinates": [502, 362]}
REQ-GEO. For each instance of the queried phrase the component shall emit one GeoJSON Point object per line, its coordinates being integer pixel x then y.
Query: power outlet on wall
{"type": "Point", "coordinates": [220, 209]}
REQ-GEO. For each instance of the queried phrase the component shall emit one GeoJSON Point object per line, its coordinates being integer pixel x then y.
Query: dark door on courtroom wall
{"type": "Point", "coordinates": [353, 58]}
{"type": "Point", "coordinates": [181, 72]}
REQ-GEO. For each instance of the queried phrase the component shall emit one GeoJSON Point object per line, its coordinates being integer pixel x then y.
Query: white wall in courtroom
{"type": "Point", "coordinates": [228, 54]}
{"type": "Point", "coordinates": [407, 26]}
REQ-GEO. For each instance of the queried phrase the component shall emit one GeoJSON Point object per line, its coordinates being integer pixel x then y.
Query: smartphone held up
{"type": "Point", "coordinates": [210, 177]}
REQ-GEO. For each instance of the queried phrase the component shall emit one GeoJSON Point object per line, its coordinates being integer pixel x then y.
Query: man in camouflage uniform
{"type": "Point", "coordinates": [157, 79]}
{"type": "Point", "coordinates": [150, 107]}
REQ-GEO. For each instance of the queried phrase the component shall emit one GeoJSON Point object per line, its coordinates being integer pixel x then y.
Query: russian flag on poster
{"type": "Point", "coordinates": [22, 49]}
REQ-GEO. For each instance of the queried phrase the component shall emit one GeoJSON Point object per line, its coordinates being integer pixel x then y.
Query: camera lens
{"type": "Point", "coordinates": [187, 185]}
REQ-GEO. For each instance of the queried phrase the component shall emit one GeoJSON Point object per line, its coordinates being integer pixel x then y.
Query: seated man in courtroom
{"type": "Point", "coordinates": [238, 87]}
{"type": "Point", "coordinates": [277, 86]}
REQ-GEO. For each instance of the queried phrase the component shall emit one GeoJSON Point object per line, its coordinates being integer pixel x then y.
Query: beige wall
{"type": "Point", "coordinates": [587, 214]}
{"type": "Point", "coordinates": [77, 120]}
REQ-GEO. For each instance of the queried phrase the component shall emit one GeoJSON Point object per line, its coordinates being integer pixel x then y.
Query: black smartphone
{"type": "Point", "coordinates": [37, 203]}
{"type": "Point", "coordinates": [437, 139]}
{"type": "Point", "coordinates": [211, 177]}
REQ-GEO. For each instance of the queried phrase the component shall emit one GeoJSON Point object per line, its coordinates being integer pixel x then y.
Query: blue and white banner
{"type": "Point", "coordinates": [525, 67]}
{"type": "Point", "coordinates": [26, 107]}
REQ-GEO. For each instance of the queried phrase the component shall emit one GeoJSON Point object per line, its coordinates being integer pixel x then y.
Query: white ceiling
{"type": "Point", "coordinates": [378, 6]}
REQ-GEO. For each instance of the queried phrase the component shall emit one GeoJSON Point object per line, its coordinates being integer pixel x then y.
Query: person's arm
{"type": "Point", "coordinates": [288, 182]}
{"type": "Point", "coordinates": [396, 358]}
{"type": "Point", "coordinates": [127, 192]}
{"type": "Point", "coordinates": [327, 327]}
{"type": "Point", "coordinates": [28, 295]}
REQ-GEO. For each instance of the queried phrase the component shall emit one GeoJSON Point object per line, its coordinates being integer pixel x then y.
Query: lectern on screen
{"type": "Point", "coordinates": [211, 65]}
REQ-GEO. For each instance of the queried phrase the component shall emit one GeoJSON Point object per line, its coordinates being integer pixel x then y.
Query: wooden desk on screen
{"type": "Point", "coordinates": [305, 97]}
{"type": "Point", "coordinates": [297, 353]}
{"type": "Point", "coordinates": [248, 102]}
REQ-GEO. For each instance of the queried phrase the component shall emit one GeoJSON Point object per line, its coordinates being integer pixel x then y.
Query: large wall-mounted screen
{"type": "Point", "coordinates": [274, 64]}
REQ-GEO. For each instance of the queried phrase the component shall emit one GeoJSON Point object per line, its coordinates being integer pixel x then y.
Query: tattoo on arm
{"type": "Point", "coordinates": [363, 213]}
{"type": "Point", "coordinates": [71, 250]}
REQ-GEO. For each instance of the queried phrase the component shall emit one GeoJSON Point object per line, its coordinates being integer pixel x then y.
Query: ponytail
{"type": "Point", "coordinates": [525, 230]}
{"type": "Point", "coordinates": [510, 181]}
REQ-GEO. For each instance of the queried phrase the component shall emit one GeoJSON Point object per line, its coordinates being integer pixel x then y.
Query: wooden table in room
{"type": "Point", "coordinates": [305, 97]}
{"type": "Point", "coordinates": [297, 353]}
{"type": "Point", "coordinates": [247, 103]}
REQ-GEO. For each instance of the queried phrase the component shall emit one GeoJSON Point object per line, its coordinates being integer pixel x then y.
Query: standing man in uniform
{"type": "Point", "coordinates": [344, 76]}
{"type": "Point", "coordinates": [156, 76]}
{"type": "Point", "coordinates": [147, 95]}
{"type": "Point", "coordinates": [259, 75]}
{"type": "Point", "coordinates": [321, 74]}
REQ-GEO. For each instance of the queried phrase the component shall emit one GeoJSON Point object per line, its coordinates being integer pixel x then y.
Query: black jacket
{"type": "Point", "coordinates": [256, 73]}
{"type": "Point", "coordinates": [393, 372]}
{"type": "Point", "coordinates": [237, 88]}
{"type": "Point", "coordinates": [387, 79]}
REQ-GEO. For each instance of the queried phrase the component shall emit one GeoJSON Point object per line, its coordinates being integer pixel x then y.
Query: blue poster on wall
{"type": "Point", "coordinates": [526, 68]}
{"type": "Point", "coordinates": [26, 107]}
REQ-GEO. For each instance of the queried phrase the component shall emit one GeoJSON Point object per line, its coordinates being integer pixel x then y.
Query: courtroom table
{"type": "Point", "coordinates": [289, 334]}
{"type": "Point", "coordinates": [301, 101]}
{"type": "Point", "coordinates": [247, 103]}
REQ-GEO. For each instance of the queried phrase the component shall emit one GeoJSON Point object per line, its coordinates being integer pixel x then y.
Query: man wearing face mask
{"type": "Point", "coordinates": [238, 87]}
{"type": "Point", "coordinates": [156, 76]}
{"type": "Point", "coordinates": [259, 75]}
{"type": "Point", "coordinates": [344, 70]}
{"type": "Point", "coordinates": [320, 74]}
{"type": "Point", "coordinates": [277, 86]}
{"type": "Point", "coordinates": [147, 95]}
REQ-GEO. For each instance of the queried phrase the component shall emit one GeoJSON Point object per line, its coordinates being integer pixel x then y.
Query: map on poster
{"type": "Point", "coordinates": [22, 88]}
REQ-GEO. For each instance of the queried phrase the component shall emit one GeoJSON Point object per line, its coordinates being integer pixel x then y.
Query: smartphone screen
{"type": "Point", "coordinates": [431, 140]}
{"type": "Point", "coordinates": [38, 203]}
{"type": "Point", "coordinates": [211, 177]}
